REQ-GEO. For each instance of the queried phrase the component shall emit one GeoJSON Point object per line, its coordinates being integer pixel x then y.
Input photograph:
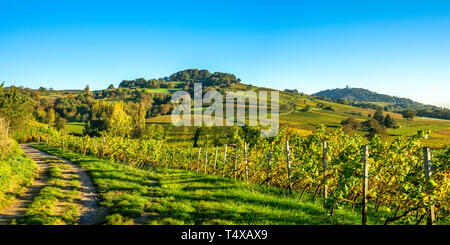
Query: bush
{"type": "Point", "coordinates": [374, 128]}
{"type": "Point", "coordinates": [61, 123]}
{"type": "Point", "coordinates": [117, 219]}
{"type": "Point", "coordinates": [5, 141]}
{"type": "Point", "coordinates": [16, 173]}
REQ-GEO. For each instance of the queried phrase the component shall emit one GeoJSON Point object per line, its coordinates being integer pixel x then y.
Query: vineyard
{"type": "Point", "coordinates": [401, 176]}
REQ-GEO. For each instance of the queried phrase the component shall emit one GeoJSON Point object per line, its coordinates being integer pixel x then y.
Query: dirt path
{"type": "Point", "coordinates": [18, 207]}
{"type": "Point", "coordinates": [91, 214]}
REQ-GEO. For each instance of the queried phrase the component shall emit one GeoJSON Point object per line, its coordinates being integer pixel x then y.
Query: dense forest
{"type": "Point", "coordinates": [187, 77]}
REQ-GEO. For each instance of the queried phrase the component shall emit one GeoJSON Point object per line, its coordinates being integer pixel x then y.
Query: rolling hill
{"type": "Point", "coordinates": [360, 97]}
{"type": "Point", "coordinates": [298, 111]}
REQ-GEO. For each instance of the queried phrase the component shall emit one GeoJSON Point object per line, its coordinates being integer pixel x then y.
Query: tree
{"type": "Point", "coordinates": [378, 116]}
{"type": "Point", "coordinates": [165, 109]}
{"type": "Point", "coordinates": [15, 107]}
{"type": "Point", "coordinates": [293, 91]}
{"type": "Point", "coordinates": [374, 128]}
{"type": "Point", "coordinates": [205, 77]}
{"type": "Point", "coordinates": [60, 123]}
{"type": "Point", "coordinates": [251, 134]}
{"type": "Point", "coordinates": [83, 109]}
{"type": "Point", "coordinates": [111, 87]}
{"type": "Point", "coordinates": [196, 137]}
{"type": "Point", "coordinates": [51, 115]}
{"type": "Point", "coordinates": [307, 108]}
{"type": "Point", "coordinates": [87, 90]}
{"type": "Point", "coordinates": [171, 85]}
{"type": "Point", "coordinates": [408, 114]}
{"type": "Point", "coordinates": [350, 124]}
{"type": "Point", "coordinates": [236, 135]}
{"type": "Point", "coordinates": [139, 121]}
{"type": "Point", "coordinates": [154, 131]}
{"type": "Point", "coordinates": [389, 122]}
{"type": "Point", "coordinates": [5, 142]}
{"type": "Point", "coordinates": [119, 124]}
{"type": "Point", "coordinates": [343, 101]}
{"type": "Point", "coordinates": [287, 107]}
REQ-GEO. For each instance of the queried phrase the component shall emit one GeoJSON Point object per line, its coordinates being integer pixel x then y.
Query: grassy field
{"type": "Point", "coordinates": [75, 128]}
{"type": "Point", "coordinates": [165, 196]}
{"type": "Point", "coordinates": [16, 174]}
{"type": "Point", "coordinates": [161, 90]}
{"type": "Point", "coordinates": [307, 121]}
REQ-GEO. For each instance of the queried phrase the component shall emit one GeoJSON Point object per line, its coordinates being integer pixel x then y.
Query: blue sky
{"type": "Point", "coordinates": [400, 48]}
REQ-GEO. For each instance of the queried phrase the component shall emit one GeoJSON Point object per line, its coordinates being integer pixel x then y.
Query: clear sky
{"type": "Point", "coordinates": [399, 48]}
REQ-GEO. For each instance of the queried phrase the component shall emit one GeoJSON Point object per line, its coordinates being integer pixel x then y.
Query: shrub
{"type": "Point", "coordinates": [5, 141]}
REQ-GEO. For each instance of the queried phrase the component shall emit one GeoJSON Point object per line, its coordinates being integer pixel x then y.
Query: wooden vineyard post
{"type": "Point", "coordinates": [46, 144]}
{"type": "Point", "coordinates": [82, 145]}
{"type": "Point", "coordinates": [427, 172]}
{"type": "Point", "coordinates": [125, 154]}
{"type": "Point", "coordinates": [190, 159]}
{"type": "Point", "coordinates": [95, 144]}
{"type": "Point", "coordinates": [269, 167]}
{"type": "Point", "coordinates": [198, 160]}
{"type": "Point", "coordinates": [325, 186]}
{"type": "Point", "coordinates": [103, 147]}
{"type": "Point", "coordinates": [365, 184]}
{"type": "Point", "coordinates": [206, 158]}
{"type": "Point", "coordinates": [288, 166]}
{"type": "Point", "coordinates": [215, 158]}
{"type": "Point", "coordinates": [235, 162]}
{"type": "Point", "coordinates": [63, 144]}
{"type": "Point", "coordinates": [175, 159]}
{"type": "Point", "coordinates": [246, 162]}
{"type": "Point", "coordinates": [225, 158]}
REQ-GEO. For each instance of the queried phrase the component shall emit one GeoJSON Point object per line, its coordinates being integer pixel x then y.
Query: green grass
{"type": "Point", "coordinates": [124, 190]}
{"type": "Point", "coordinates": [409, 128]}
{"type": "Point", "coordinates": [309, 120]}
{"type": "Point", "coordinates": [75, 128]}
{"type": "Point", "coordinates": [161, 90]}
{"type": "Point", "coordinates": [166, 196]}
{"type": "Point", "coordinates": [58, 202]}
{"type": "Point", "coordinates": [16, 174]}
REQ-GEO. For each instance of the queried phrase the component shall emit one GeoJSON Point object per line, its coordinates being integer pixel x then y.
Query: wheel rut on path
{"type": "Point", "coordinates": [91, 213]}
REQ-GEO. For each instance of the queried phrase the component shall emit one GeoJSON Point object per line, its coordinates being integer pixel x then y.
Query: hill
{"type": "Point", "coordinates": [184, 79]}
{"type": "Point", "coordinates": [361, 95]}
{"type": "Point", "coordinates": [364, 98]}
